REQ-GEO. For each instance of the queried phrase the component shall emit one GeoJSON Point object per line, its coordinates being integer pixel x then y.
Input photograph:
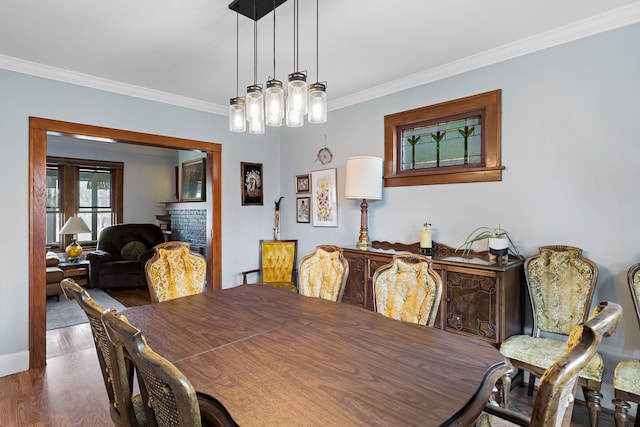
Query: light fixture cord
{"type": "Point", "coordinates": [274, 39]}
{"type": "Point", "coordinates": [237, 54]}
{"type": "Point", "coordinates": [255, 45]}
{"type": "Point", "coordinates": [317, 39]}
{"type": "Point", "coordinates": [295, 38]}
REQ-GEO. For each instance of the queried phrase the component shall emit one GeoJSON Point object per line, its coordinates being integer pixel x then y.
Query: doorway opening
{"type": "Point", "coordinates": [38, 128]}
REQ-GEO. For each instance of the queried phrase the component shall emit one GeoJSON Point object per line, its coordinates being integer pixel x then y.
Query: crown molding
{"type": "Point", "coordinates": [608, 21]}
{"type": "Point", "coordinates": [617, 18]}
{"type": "Point", "coordinates": [80, 79]}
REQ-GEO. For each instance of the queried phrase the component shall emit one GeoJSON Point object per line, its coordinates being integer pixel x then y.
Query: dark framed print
{"type": "Point", "coordinates": [193, 188]}
{"type": "Point", "coordinates": [303, 184]}
{"type": "Point", "coordinates": [303, 211]}
{"type": "Point", "coordinates": [251, 184]}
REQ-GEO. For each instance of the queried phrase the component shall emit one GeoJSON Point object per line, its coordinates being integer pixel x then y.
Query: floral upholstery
{"type": "Point", "coordinates": [561, 285]}
{"type": "Point", "coordinates": [174, 271]}
{"type": "Point", "coordinates": [323, 274]}
{"type": "Point", "coordinates": [626, 378]}
{"type": "Point", "coordinates": [408, 290]}
{"type": "Point", "coordinates": [543, 352]}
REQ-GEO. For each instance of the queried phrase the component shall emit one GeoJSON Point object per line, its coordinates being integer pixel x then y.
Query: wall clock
{"type": "Point", "coordinates": [324, 156]}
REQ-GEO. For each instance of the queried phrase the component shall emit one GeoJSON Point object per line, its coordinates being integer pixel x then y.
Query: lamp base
{"type": "Point", "coordinates": [73, 251]}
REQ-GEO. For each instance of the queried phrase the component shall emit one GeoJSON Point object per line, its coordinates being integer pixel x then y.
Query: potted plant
{"type": "Point", "coordinates": [499, 241]}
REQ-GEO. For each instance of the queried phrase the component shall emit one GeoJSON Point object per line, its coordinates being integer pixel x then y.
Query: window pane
{"type": "Point", "coordinates": [53, 189]}
{"type": "Point", "coordinates": [97, 220]}
{"type": "Point", "coordinates": [95, 189]}
{"type": "Point", "coordinates": [54, 224]}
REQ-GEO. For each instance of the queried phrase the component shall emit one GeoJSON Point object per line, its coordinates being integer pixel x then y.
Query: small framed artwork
{"type": "Point", "coordinates": [324, 198]}
{"type": "Point", "coordinates": [303, 209]}
{"type": "Point", "coordinates": [192, 187]}
{"type": "Point", "coordinates": [251, 184]}
{"type": "Point", "coordinates": [303, 184]}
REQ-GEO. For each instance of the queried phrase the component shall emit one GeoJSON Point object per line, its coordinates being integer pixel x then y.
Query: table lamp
{"type": "Point", "coordinates": [74, 226]}
{"type": "Point", "coordinates": [364, 181]}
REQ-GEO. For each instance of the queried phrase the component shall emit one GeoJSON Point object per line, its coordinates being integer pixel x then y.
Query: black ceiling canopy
{"type": "Point", "coordinates": [262, 7]}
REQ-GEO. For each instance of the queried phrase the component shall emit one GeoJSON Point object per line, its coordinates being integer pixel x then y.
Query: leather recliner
{"type": "Point", "coordinates": [54, 275]}
{"type": "Point", "coordinates": [121, 253]}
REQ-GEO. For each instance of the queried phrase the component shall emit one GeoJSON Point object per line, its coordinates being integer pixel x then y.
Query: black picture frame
{"type": "Point", "coordinates": [193, 182]}
{"type": "Point", "coordinates": [303, 209]}
{"type": "Point", "coordinates": [251, 182]}
{"type": "Point", "coordinates": [303, 184]}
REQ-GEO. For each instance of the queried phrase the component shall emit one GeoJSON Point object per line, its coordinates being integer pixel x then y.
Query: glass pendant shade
{"type": "Point", "coordinates": [255, 109]}
{"type": "Point", "coordinates": [274, 103]}
{"type": "Point", "coordinates": [296, 99]}
{"type": "Point", "coordinates": [237, 119]}
{"type": "Point", "coordinates": [317, 103]}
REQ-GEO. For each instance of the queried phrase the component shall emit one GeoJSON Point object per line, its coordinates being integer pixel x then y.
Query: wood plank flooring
{"type": "Point", "coordinates": [70, 390]}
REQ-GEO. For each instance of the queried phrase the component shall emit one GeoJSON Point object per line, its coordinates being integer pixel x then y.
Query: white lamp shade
{"type": "Point", "coordinates": [75, 225]}
{"type": "Point", "coordinates": [364, 178]}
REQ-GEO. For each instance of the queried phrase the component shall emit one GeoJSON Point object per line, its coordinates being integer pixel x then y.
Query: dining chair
{"type": "Point", "coordinates": [553, 404]}
{"type": "Point", "coordinates": [323, 273]}
{"type": "Point", "coordinates": [117, 371]}
{"type": "Point", "coordinates": [278, 260]}
{"type": "Point", "coordinates": [561, 284]}
{"type": "Point", "coordinates": [408, 289]}
{"type": "Point", "coordinates": [170, 397]}
{"type": "Point", "coordinates": [174, 271]}
{"type": "Point", "coordinates": [626, 378]}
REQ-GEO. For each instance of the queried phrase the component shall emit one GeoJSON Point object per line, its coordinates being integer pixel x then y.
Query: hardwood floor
{"type": "Point", "coordinates": [70, 390]}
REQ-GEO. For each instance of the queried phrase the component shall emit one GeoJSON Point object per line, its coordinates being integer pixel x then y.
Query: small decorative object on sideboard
{"type": "Point", "coordinates": [499, 242]}
{"type": "Point", "coordinates": [426, 244]}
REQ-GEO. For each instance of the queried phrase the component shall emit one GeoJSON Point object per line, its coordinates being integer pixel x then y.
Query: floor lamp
{"type": "Point", "coordinates": [364, 182]}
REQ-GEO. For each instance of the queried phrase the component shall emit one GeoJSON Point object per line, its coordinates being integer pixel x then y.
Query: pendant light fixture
{"type": "Point", "coordinates": [237, 119]}
{"type": "Point", "coordinates": [317, 91]}
{"type": "Point", "coordinates": [273, 104]}
{"type": "Point", "coordinates": [297, 87]}
{"type": "Point", "coordinates": [274, 94]}
{"type": "Point", "coordinates": [255, 99]}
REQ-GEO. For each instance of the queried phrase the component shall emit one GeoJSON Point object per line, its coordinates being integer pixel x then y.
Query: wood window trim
{"type": "Point", "coordinates": [491, 170]}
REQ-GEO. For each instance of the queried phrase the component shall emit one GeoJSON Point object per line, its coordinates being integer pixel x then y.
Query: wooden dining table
{"type": "Point", "coordinates": [276, 358]}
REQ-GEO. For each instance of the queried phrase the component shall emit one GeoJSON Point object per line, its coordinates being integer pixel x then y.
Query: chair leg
{"type": "Point", "coordinates": [532, 384]}
{"type": "Point", "coordinates": [593, 399]}
{"type": "Point", "coordinates": [622, 413]}
{"type": "Point", "coordinates": [504, 387]}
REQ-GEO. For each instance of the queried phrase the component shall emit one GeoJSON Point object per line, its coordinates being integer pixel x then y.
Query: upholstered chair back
{"type": "Point", "coordinates": [561, 284]}
{"type": "Point", "coordinates": [116, 370]}
{"type": "Point", "coordinates": [408, 289]}
{"type": "Point", "coordinates": [278, 260]}
{"type": "Point", "coordinates": [323, 274]}
{"type": "Point", "coordinates": [175, 271]}
{"type": "Point", "coordinates": [626, 377]}
{"type": "Point", "coordinates": [170, 397]}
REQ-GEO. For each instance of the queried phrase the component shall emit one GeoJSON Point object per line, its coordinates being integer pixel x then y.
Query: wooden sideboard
{"type": "Point", "coordinates": [481, 298]}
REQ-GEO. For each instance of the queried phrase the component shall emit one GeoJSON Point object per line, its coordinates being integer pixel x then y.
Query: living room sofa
{"type": "Point", "coordinates": [54, 275]}
{"type": "Point", "coordinates": [121, 253]}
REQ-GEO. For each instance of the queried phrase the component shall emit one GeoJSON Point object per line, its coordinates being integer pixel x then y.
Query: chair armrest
{"type": "Point", "coordinates": [98, 256]}
{"type": "Point", "coordinates": [244, 275]}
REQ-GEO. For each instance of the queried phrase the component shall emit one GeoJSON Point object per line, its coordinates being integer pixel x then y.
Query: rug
{"type": "Point", "coordinates": [63, 313]}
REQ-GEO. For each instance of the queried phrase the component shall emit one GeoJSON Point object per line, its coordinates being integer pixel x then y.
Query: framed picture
{"type": "Point", "coordinates": [303, 184]}
{"type": "Point", "coordinates": [302, 209]}
{"type": "Point", "coordinates": [251, 184]}
{"type": "Point", "coordinates": [193, 181]}
{"type": "Point", "coordinates": [324, 200]}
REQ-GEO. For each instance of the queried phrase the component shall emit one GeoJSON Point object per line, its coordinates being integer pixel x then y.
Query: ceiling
{"type": "Point", "coordinates": [184, 52]}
